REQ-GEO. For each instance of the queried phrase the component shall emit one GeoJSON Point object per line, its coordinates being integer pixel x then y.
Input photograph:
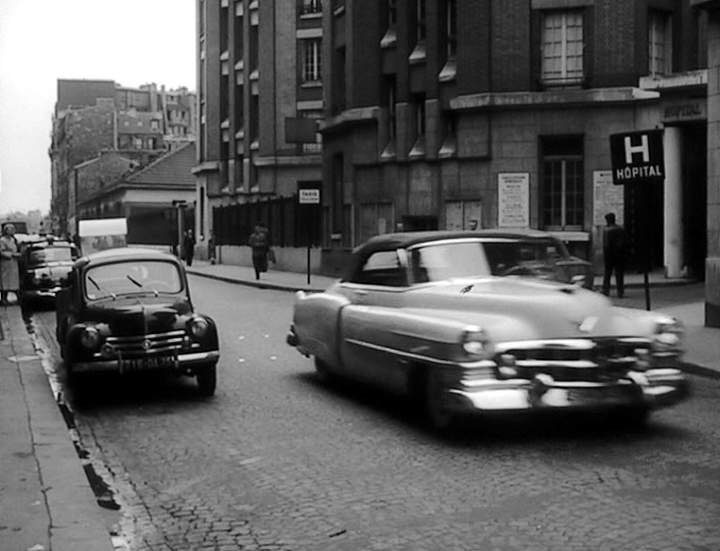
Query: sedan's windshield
{"type": "Point", "coordinates": [119, 278]}
{"type": "Point", "coordinates": [445, 260]}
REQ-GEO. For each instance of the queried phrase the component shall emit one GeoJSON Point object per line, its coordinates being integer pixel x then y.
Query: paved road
{"type": "Point", "coordinates": [279, 461]}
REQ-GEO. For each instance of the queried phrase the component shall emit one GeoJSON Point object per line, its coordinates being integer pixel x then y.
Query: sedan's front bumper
{"type": "Point", "coordinates": [41, 294]}
{"type": "Point", "coordinates": [651, 389]}
{"type": "Point", "coordinates": [181, 362]}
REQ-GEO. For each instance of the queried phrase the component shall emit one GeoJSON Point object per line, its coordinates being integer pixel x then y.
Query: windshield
{"type": "Point", "coordinates": [505, 254]}
{"type": "Point", "coordinates": [445, 260]}
{"type": "Point", "coordinates": [120, 278]}
{"type": "Point", "coordinates": [50, 254]}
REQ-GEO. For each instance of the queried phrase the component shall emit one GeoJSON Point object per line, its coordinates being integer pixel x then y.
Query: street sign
{"type": "Point", "coordinates": [309, 196]}
{"type": "Point", "coordinates": [637, 157]}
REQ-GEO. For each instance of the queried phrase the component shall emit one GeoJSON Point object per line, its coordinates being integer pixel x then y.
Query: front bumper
{"type": "Point", "coordinates": [650, 389]}
{"type": "Point", "coordinates": [181, 362]}
{"type": "Point", "coordinates": [49, 293]}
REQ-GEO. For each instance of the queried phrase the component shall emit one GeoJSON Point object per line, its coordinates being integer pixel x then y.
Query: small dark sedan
{"type": "Point", "coordinates": [129, 310]}
{"type": "Point", "coordinates": [45, 266]}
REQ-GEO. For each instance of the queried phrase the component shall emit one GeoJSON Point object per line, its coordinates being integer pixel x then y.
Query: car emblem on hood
{"type": "Point", "coordinates": [588, 324]}
{"type": "Point", "coordinates": [147, 344]}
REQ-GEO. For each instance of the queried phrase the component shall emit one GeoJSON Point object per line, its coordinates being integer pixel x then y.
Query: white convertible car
{"type": "Point", "coordinates": [423, 313]}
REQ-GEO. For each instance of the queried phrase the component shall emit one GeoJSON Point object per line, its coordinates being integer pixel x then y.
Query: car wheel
{"type": "Point", "coordinates": [207, 380]}
{"type": "Point", "coordinates": [438, 416]}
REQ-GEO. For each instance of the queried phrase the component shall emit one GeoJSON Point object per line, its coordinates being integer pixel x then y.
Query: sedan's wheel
{"type": "Point", "coordinates": [439, 417]}
{"type": "Point", "coordinates": [207, 380]}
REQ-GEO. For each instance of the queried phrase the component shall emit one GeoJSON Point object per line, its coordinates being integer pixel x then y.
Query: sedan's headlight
{"type": "Point", "coordinates": [475, 342]}
{"type": "Point", "coordinates": [90, 338]}
{"type": "Point", "coordinates": [198, 327]}
{"type": "Point", "coordinates": [668, 334]}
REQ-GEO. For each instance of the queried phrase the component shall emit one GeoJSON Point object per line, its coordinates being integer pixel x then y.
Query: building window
{"type": "Point", "coordinates": [391, 13]}
{"type": "Point", "coordinates": [563, 186]}
{"type": "Point", "coordinates": [338, 81]}
{"type": "Point", "coordinates": [562, 48]}
{"type": "Point", "coordinates": [311, 6]}
{"type": "Point", "coordinates": [154, 124]}
{"type": "Point", "coordinates": [390, 98]}
{"type": "Point", "coordinates": [450, 29]}
{"type": "Point", "coordinates": [420, 21]}
{"type": "Point", "coordinates": [312, 60]}
{"type": "Point", "coordinates": [418, 104]}
{"type": "Point", "coordinates": [390, 37]}
{"type": "Point", "coordinates": [659, 43]}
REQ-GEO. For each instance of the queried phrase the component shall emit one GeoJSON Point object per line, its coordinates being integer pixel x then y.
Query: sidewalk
{"type": "Point", "coordinates": [45, 499]}
{"type": "Point", "coordinates": [702, 356]}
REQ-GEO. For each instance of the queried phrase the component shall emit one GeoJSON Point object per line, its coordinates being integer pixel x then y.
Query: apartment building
{"type": "Point", "coordinates": [260, 95]}
{"type": "Point", "coordinates": [95, 116]}
{"type": "Point", "coordinates": [484, 114]}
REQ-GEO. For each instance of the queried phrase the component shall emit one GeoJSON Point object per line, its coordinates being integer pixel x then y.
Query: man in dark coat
{"type": "Point", "coordinates": [260, 244]}
{"type": "Point", "coordinates": [189, 247]}
{"type": "Point", "coordinates": [614, 253]}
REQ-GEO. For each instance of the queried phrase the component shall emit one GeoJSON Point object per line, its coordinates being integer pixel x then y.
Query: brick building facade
{"type": "Point", "coordinates": [260, 93]}
{"type": "Point", "coordinates": [452, 114]}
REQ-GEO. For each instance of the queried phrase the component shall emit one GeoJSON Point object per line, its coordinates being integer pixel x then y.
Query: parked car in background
{"type": "Point", "coordinates": [424, 314]}
{"type": "Point", "coordinates": [536, 254]}
{"type": "Point", "coordinates": [129, 310]}
{"type": "Point", "coordinates": [44, 267]}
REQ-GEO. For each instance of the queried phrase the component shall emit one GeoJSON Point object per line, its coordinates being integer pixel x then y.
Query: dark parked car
{"type": "Point", "coordinates": [129, 310]}
{"type": "Point", "coordinates": [45, 266]}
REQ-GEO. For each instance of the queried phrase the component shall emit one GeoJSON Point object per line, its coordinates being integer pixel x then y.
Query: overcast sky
{"type": "Point", "coordinates": [132, 42]}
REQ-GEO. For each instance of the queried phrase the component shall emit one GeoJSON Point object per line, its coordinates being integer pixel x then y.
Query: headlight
{"type": "Point", "coordinates": [476, 343]}
{"type": "Point", "coordinates": [198, 327]}
{"type": "Point", "coordinates": [90, 338]}
{"type": "Point", "coordinates": [668, 334]}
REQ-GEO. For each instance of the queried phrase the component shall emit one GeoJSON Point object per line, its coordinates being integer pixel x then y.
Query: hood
{"type": "Point", "coordinates": [517, 308]}
{"type": "Point", "coordinates": [139, 315]}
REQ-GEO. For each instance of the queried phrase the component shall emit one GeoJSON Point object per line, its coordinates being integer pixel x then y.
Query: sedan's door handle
{"type": "Point", "coordinates": [360, 292]}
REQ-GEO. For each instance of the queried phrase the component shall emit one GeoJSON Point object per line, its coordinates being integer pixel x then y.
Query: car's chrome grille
{"type": "Point", "coordinates": [141, 345]}
{"type": "Point", "coordinates": [573, 359]}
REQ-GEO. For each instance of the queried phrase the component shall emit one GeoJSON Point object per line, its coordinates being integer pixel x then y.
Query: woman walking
{"type": "Point", "coordinates": [9, 272]}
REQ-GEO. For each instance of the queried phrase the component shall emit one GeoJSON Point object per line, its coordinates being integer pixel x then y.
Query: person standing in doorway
{"type": "Point", "coordinates": [189, 247]}
{"type": "Point", "coordinates": [614, 253]}
{"type": "Point", "coordinates": [260, 244]}
{"type": "Point", "coordinates": [9, 271]}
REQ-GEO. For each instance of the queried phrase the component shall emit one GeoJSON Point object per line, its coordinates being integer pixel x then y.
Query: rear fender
{"type": "Point", "coordinates": [316, 323]}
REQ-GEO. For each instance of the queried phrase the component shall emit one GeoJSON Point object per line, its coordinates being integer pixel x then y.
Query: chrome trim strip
{"type": "Point", "coordinates": [141, 338]}
{"type": "Point", "coordinates": [419, 357]}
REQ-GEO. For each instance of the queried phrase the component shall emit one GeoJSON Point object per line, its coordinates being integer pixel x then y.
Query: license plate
{"type": "Point", "coordinates": [150, 362]}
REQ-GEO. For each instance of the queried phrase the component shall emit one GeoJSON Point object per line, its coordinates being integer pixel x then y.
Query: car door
{"type": "Point", "coordinates": [376, 292]}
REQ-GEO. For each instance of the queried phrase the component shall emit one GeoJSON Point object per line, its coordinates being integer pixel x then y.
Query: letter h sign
{"type": "Point", "coordinates": [637, 157]}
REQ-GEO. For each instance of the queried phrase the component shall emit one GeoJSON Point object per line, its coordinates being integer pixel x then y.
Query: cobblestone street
{"type": "Point", "coordinates": [279, 460]}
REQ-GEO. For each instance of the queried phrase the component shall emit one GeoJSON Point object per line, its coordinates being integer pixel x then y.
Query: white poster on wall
{"type": "Point", "coordinates": [607, 197]}
{"type": "Point", "coordinates": [514, 200]}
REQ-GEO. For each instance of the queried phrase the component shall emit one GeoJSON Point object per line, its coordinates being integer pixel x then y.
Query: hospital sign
{"type": "Point", "coordinates": [637, 157]}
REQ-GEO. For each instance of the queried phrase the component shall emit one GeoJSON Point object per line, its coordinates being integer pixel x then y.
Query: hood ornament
{"type": "Point", "coordinates": [588, 324]}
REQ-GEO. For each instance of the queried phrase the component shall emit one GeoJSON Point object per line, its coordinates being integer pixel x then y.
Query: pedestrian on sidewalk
{"type": "Point", "coordinates": [260, 244]}
{"type": "Point", "coordinates": [9, 271]}
{"type": "Point", "coordinates": [189, 247]}
{"type": "Point", "coordinates": [614, 253]}
{"type": "Point", "coordinates": [211, 247]}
